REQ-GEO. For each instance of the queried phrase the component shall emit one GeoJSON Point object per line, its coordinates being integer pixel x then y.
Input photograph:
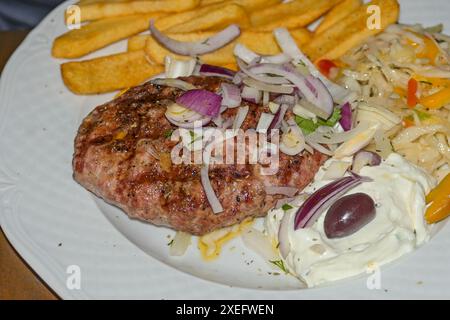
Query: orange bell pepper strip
{"type": "Point", "coordinates": [438, 210]}
{"type": "Point", "coordinates": [413, 86]}
{"type": "Point", "coordinates": [439, 198]}
{"type": "Point", "coordinates": [437, 100]}
{"type": "Point", "coordinates": [442, 190]}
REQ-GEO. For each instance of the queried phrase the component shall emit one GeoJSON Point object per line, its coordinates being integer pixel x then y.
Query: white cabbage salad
{"type": "Point", "coordinates": [402, 78]}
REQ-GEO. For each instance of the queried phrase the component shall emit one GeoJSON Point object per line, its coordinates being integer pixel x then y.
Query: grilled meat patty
{"type": "Point", "coordinates": [113, 161]}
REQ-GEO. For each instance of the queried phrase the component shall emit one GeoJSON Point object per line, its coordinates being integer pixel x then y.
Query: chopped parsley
{"type": "Point", "coordinates": [286, 207]}
{"type": "Point", "coordinates": [309, 126]}
{"type": "Point", "coordinates": [279, 264]}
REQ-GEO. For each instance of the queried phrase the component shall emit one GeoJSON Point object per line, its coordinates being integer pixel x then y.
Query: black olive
{"type": "Point", "coordinates": [348, 215]}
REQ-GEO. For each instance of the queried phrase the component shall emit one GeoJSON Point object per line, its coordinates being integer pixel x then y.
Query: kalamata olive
{"type": "Point", "coordinates": [348, 215]}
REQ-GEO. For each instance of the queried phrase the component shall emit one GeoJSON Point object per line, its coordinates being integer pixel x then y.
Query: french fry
{"type": "Point", "coordinates": [108, 73]}
{"type": "Point", "coordinates": [248, 5]}
{"type": "Point", "coordinates": [260, 42]}
{"type": "Point", "coordinates": [338, 13]}
{"type": "Point", "coordinates": [95, 11]}
{"type": "Point", "coordinates": [216, 18]}
{"type": "Point", "coordinates": [351, 31]}
{"type": "Point", "coordinates": [295, 14]}
{"type": "Point", "coordinates": [172, 20]}
{"type": "Point", "coordinates": [98, 34]}
{"type": "Point", "coordinates": [137, 43]}
{"type": "Point", "coordinates": [208, 2]}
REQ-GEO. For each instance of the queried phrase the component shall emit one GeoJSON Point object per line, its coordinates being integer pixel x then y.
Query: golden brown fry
{"type": "Point", "coordinates": [216, 18]}
{"type": "Point", "coordinates": [95, 11]}
{"type": "Point", "coordinates": [252, 5]}
{"type": "Point", "coordinates": [350, 32]}
{"type": "Point", "coordinates": [183, 17]}
{"type": "Point", "coordinates": [260, 42]}
{"type": "Point", "coordinates": [208, 2]}
{"type": "Point", "coordinates": [108, 73]}
{"type": "Point", "coordinates": [249, 5]}
{"type": "Point", "coordinates": [98, 34]}
{"type": "Point", "coordinates": [137, 43]}
{"type": "Point", "coordinates": [338, 13]}
{"type": "Point", "coordinates": [295, 14]}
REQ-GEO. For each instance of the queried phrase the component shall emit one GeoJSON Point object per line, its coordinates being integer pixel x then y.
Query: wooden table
{"type": "Point", "coordinates": [17, 279]}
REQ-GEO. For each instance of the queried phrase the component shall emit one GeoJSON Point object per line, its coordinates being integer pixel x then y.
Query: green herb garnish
{"type": "Point", "coordinates": [279, 264]}
{"type": "Point", "coordinates": [170, 243]}
{"type": "Point", "coordinates": [286, 207]}
{"type": "Point", "coordinates": [308, 126]}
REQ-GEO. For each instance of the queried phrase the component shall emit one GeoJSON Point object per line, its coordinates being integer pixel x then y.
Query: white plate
{"type": "Point", "coordinates": [54, 223]}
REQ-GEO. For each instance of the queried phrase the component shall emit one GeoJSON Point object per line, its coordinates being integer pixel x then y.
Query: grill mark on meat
{"type": "Point", "coordinates": [111, 161]}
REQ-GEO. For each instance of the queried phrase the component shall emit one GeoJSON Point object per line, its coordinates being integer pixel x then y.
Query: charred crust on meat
{"type": "Point", "coordinates": [111, 161]}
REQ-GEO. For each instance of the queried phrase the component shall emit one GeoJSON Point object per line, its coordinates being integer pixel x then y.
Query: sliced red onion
{"type": "Point", "coordinates": [204, 102]}
{"type": "Point", "coordinates": [299, 147]}
{"type": "Point", "coordinates": [237, 79]}
{"type": "Point", "coordinates": [311, 88]}
{"type": "Point", "coordinates": [324, 197]}
{"type": "Point", "coordinates": [268, 87]}
{"type": "Point", "coordinates": [175, 68]}
{"type": "Point", "coordinates": [281, 58]}
{"type": "Point", "coordinates": [318, 147]}
{"type": "Point", "coordinates": [287, 43]}
{"type": "Point", "coordinates": [214, 202]}
{"type": "Point", "coordinates": [188, 124]}
{"type": "Point", "coordinates": [227, 123]}
{"type": "Point", "coordinates": [174, 83]}
{"type": "Point", "coordinates": [289, 46]}
{"type": "Point", "coordinates": [196, 48]}
{"type": "Point", "coordinates": [364, 158]}
{"type": "Point", "coordinates": [266, 98]}
{"type": "Point", "coordinates": [286, 191]}
{"type": "Point", "coordinates": [264, 122]}
{"type": "Point", "coordinates": [240, 117]}
{"type": "Point", "coordinates": [346, 120]}
{"type": "Point", "coordinates": [231, 95]}
{"type": "Point", "coordinates": [283, 240]}
{"type": "Point", "coordinates": [215, 71]}
{"type": "Point", "coordinates": [245, 54]}
{"type": "Point", "coordinates": [262, 78]}
{"type": "Point", "coordinates": [285, 99]}
{"type": "Point", "coordinates": [279, 116]}
{"type": "Point", "coordinates": [218, 121]}
{"type": "Point", "coordinates": [251, 94]}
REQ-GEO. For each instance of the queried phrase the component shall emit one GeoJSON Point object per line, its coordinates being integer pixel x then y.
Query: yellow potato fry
{"type": "Point", "coordinates": [108, 73]}
{"type": "Point", "coordinates": [248, 5]}
{"type": "Point", "coordinates": [350, 32]}
{"type": "Point", "coordinates": [172, 20]}
{"type": "Point", "coordinates": [295, 14]}
{"type": "Point", "coordinates": [338, 13]}
{"type": "Point", "coordinates": [219, 17]}
{"type": "Point", "coordinates": [260, 42]}
{"type": "Point", "coordinates": [137, 43]}
{"type": "Point", "coordinates": [252, 5]}
{"type": "Point", "coordinates": [98, 34]}
{"type": "Point", "coordinates": [208, 2]}
{"type": "Point", "coordinates": [95, 11]}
